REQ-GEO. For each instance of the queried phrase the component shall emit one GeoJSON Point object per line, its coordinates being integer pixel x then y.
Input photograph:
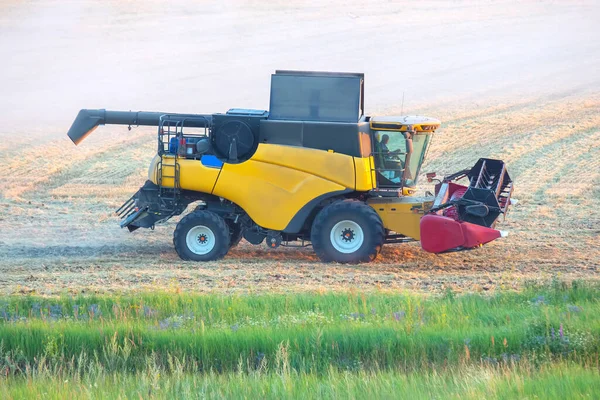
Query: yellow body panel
{"type": "Point", "coordinates": [269, 193]}
{"type": "Point", "coordinates": [365, 173]}
{"type": "Point", "coordinates": [334, 167]}
{"type": "Point", "coordinates": [279, 180]}
{"type": "Point", "coordinates": [401, 215]}
{"type": "Point", "coordinates": [192, 174]}
{"type": "Point", "coordinates": [274, 185]}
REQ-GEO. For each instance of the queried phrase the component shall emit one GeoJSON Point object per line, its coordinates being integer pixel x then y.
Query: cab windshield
{"type": "Point", "coordinates": [398, 157]}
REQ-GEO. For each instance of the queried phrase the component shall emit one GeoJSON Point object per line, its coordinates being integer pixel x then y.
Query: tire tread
{"type": "Point", "coordinates": [181, 231]}
{"type": "Point", "coordinates": [354, 206]}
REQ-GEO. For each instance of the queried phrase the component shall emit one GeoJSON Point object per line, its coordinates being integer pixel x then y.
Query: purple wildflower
{"type": "Point", "coordinates": [539, 300]}
{"type": "Point", "coordinates": [55, 311]}
{"type": "Point", "coordinates": [561, 332]}
{"type": "Point", "coordinates": [399, 315]}
{"type": "Point", "coordinates": [490, 360]}
{"type": "Point", "coordinates": [574, 309]}
{"type": "Point", "coordinates": [94, 311]}
{"type": "Point", "coordinates": [150, 312]}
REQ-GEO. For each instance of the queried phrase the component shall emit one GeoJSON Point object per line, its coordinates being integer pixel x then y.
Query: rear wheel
{"type": "Point", "coordinates": [347, 232]}
{"type": "Point", "coordinates": [201, 236]}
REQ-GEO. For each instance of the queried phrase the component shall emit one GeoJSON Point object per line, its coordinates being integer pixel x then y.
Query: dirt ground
{"type": "Point", "coordinates": [509, 80]}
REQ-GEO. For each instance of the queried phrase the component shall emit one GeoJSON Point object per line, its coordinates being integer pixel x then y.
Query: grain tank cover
{"type": "Point", "coordinates": [317, 96]}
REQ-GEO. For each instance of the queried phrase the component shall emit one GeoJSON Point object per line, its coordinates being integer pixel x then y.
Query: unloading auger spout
{"type": "Point", "coordinates": [88, 120]}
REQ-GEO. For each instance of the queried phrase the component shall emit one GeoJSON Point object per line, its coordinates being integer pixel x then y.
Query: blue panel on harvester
{"type": "Point", "coordinates": [211, 161]}
{"type": "Point", "coordinates": [173, 145]}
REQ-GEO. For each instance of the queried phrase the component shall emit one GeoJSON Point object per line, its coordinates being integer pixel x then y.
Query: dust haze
{"type": "Point", "coordinates": [518, 81]}
{"type": "Point", "coordinates": [206, 56]}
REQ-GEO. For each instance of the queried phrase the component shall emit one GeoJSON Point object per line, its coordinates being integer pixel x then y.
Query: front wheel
{"type": "Point", "coordinates": [201, 236]}
{"type": "Point", "coordinates": [347, 232]}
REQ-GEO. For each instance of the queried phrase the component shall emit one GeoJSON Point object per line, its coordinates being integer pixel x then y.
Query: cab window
{"type": "Point", "coordinates": [390, 157]}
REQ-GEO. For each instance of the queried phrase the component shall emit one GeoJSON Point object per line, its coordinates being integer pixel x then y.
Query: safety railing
{"type": "Point", "coordinates": [179, 134]}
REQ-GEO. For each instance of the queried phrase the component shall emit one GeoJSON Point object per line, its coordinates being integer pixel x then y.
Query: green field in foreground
{"type": "Point", "coordinates": [543, 341]}
{"type": "Point", "coordinates": [558, 381]}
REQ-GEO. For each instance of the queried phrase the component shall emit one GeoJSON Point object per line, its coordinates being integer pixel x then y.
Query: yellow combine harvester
{"type": "Point", "coordinates": [313, 169]}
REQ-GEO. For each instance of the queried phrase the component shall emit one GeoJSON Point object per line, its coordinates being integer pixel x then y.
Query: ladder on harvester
{"type": "Point", "coordinates": [168, 196]}
{"type": "Point", "coordinates": [168, 166]}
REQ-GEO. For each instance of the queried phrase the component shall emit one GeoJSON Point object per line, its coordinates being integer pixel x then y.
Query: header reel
{"type": "Point", "coordinates": [464, 216]}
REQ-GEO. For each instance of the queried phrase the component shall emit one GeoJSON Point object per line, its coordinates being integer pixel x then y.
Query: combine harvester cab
{"type": "Point", "coordinates": [313, 169]}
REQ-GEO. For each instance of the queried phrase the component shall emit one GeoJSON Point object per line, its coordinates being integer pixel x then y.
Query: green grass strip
{"type": "Point", "coordinates": [556, 381]}
{"type": "Point", "coordinates": [351, 331]}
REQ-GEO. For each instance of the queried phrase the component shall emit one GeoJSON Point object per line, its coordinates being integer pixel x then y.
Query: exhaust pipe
{"type": "Point", "coordinates": [88, 120]}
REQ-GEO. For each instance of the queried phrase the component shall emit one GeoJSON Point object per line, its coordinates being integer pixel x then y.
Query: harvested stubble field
{"type": "Point", "coordinates": [503, 78]}
{"type": "Point", "coordinates": [59, 232]}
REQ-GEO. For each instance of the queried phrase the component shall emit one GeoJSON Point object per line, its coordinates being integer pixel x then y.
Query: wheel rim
{"type": "Point", "coordinates": [346, 236]}
{"type": "Point", "coordinates": [200, 240]}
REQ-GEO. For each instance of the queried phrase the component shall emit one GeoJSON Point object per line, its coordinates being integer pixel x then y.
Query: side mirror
{"type": "Point", "coordinates": [430, 176]}
{"type": "Point", "coordinates": [202, 146]}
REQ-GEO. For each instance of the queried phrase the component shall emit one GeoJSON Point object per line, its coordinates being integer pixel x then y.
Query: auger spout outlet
{"type": "Point", "coordinates": [88, 120]}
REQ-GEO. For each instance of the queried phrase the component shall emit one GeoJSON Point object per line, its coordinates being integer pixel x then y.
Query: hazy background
{"type": "Point", "coordinates": [206, 56]}
{"type": "Point", "coordinates": [516, 81]}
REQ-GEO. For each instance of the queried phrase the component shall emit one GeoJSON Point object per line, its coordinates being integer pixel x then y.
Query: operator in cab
{"type": "Point", "coordinates": [392, 159]}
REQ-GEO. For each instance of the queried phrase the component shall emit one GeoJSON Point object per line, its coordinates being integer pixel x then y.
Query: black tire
{"type": "Point", "coordinates": [207, 224]}
{"type": "Point", "coordinates": [346, 216]}
{"type": "Point", "coordinates": [235, 233]}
